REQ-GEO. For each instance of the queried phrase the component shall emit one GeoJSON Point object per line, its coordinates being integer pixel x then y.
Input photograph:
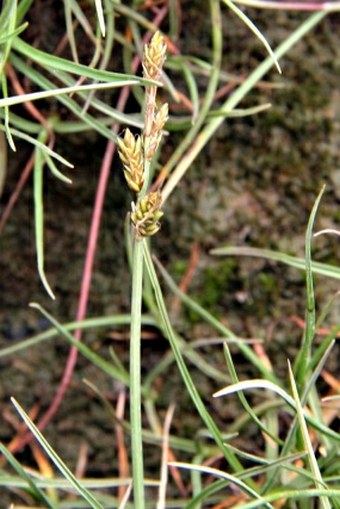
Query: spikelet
{"type": "Point", "coordinates": [131, 154]}
{"type": "Point", "coordinates": [153, 57]}
{"type": "Point", "coordinates": [156, 131]}
{"type": "Point", "coordinates": [146, 214]}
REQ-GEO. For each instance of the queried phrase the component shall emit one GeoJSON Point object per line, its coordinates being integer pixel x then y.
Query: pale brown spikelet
{"type": "Point", "coordinates": [161, 117]}
{"type": "Point", "coordinates": [153, 57]}
{"type": "Point", "coordinates": [156, 130]}
{"type": "Point", "coordinates": [131, 154]}
{"type": "Point", "coordinates": [146, 214]}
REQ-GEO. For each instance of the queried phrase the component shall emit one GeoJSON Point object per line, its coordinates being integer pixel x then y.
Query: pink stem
{"type": "Point", "coordinates": [17, 191]}
{"type": "Point", "coordinates": [296, 6]}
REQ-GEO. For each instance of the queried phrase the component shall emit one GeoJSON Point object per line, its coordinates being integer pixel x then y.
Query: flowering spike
{"type": "Point", "coordinates": [146, 214]}
{"type": "Point", "coordinates": [156, 132]}
{"type": "Point", "coordinates": [153, 57]}
{"type": "Point", "coordinates": [131, 154]}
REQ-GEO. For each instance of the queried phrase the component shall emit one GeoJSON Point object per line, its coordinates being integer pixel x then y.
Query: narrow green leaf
{"type": "Point", "coordinates": [34, 96]}
{"type": "Point", "coordinates": [266, 384]}
{"type": "Point", "coordinates": [101, 363]}
{"type": "Point", "coordinates": [304, 355]}
{"type": "Point", "coordinates": [39, 217]}
{"type": "Point", "coordinates": [223, 475]}
{"type": "Point", "coordinates": [240, 112]}
{"type": "Point", "coordinates": [56, 63]}
{"type": "Point", "coordinates": [243, 399]}
{"type": "Point", "coordinates": [39, 145]}
{"type": "Point", "coordinates": [319, 483]}
{"type": "Point", "coordinates": [89, 323]}
{"type": "Point", "coordinates": [220, 327]}
{"type": "Point", "coordinates": [83, 492]}
{"type": "Point", "coordinates": [31, 483]}
{"type": "Point", "coordinates": [64, 99]}
{"type": "Point", "coordinates": [55, 171]}
{"type": "Point", "coordinates": [205, 415]}
{"type": "Point", "coordinates": [70, 30]}
{"type": "Point", "coordinates": [6, 113]}
{"type": "Point", "coordinates": [291, 495]}
{"type": "Point", "coordinates": [100, 14]}
{"type": "Point", "coordinates": [7, 24]}
{"type": "Point", "coordinates": [23, 8]}
{"type": "Point", "coordinates": [299, 263]}
{"type": "Point", "coordinates": [8, 36]}
{"type": "Point", "coordinates": [251, 25]}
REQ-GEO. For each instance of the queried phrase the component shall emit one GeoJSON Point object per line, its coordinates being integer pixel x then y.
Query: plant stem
{"type": "Point", "coordinates": [135, 376]}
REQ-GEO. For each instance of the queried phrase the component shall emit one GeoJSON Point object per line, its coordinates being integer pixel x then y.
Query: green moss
{"type": "Point", "coordinates": [268, 283]}
{"type": "Point", "coordinates": [215, 283]}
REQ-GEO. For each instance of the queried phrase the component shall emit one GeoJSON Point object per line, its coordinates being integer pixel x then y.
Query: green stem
{"type": "Point", "coordinates": [135, 376]}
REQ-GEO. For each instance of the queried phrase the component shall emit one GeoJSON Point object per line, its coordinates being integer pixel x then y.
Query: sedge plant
{"type": "Point", "coordinates": [136, 154]}
{"type": "Point", "coordinates": [292, 470]}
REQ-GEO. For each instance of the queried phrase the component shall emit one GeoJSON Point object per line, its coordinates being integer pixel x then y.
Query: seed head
{"type": "Point", "coordinates": [131, 154]}
{"type": "Point", "coordinates": [156, 133]}
{"type": "Point", "coordinates": [153, 57]}
{"type": "Point", "coordinates": [146, 214]}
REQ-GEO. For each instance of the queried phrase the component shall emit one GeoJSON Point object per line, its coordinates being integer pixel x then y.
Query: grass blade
{"type": "Point", "coordinates": [56, 63]}
{"type": "Point", "coordinates": [55, 171]}
{"type": "Point", "coordinates": [33, 488]}
{"type": "Point", "coordinates": [304, 354]}
{"type": "Point", "coordinates": [39, 216]}
{"type": "Point", "coordinates": [243, 399]}
{"type": "Point", "coordinates": [266, 384]}
{"type": "Point", "coordinates": [101, 363]}
{"type": "Point", "coordinates": [319, 483]}
{"type": "Point", "coordinates": [106, 321]}
{"type": "Point", "coordinates": [293, 261]}
{"type": "Point", "coordinates": [6, 114]}
{"type": "Point", "coordinates": [100, 14]}
{"type": "Point", "coordinates": [224, 475]}
{"type": "Point", "coordinates": [39, 145]}
{"type": "Point", "coordinates": [83, 492]}
{"type": "Point", "coordinates": [222, 329]}
{"type": "Point", "coordinates": [250, 24]}
{"type": "Point", "coordinates": [35, 96]}
{"type": "Point", "coordinates": [192, 390]}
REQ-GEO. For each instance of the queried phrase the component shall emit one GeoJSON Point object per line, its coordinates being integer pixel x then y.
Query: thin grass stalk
{"type": "Point", "coordinates": [136, 154]}
{"type": "Point", "coordinates": [135, 376]}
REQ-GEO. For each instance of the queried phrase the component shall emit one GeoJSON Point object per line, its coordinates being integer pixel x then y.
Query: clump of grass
{"type": "Point", "coordinates": [295, 461]}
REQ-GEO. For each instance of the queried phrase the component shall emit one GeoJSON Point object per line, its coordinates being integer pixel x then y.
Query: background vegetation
{"type": "Point", "coordinates": [236, 175]}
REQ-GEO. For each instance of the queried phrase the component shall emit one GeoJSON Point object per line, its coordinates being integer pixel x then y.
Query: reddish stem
{"type": "Point", "coordinates": [292, 6]}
